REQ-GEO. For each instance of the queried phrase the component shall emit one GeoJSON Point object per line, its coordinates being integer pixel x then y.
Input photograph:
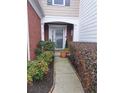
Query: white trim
{"type": "Point", "coordinates": [76, 32]}
{"type": "Point", "coordinates": [36, 6]}
{"type": "Point", "coordinates": [64, 33]}
{"type": "Point", "coordinates": [72, 20]}
{"type": "Point", "coordinates": [42, 31]}
{"type": "Point", "coordinates": [50, 25]}
{"type": "Point", "coordinates": [28, 46]}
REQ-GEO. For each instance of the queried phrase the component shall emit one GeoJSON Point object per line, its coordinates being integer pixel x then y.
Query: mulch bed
{"type": "Point", "coordinates": [42, 86]}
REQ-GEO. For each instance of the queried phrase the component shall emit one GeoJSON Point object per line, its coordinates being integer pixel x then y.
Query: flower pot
{"type": "Point", "coordinates": [63, 54]}
{"type": "Point", "coordinates": [67, 53]}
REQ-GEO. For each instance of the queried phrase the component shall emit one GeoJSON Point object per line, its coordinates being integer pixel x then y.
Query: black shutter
{"type": "Point", "coordinates": [67, 2]}
{"type": "Point", "coordinates": [49, 2]}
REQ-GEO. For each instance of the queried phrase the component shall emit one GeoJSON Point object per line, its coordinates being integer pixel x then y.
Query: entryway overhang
{"type": "Point", "coordinates": [72, 22]}
{"type": "Point", "coordinates": [59, 32]}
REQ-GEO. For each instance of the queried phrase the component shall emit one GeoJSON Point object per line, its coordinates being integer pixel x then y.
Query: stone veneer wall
{"type": "Point", "coordinates": [85, 61]}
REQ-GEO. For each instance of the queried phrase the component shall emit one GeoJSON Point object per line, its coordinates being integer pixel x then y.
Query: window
{"type": "Point", "coordinates": [59, 2]}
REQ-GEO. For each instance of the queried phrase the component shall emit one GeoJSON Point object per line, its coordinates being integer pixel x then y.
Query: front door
{"type": "Point", "coordinates": [57, 34]}
{"type": "Point", "coordinates": [58, 38]}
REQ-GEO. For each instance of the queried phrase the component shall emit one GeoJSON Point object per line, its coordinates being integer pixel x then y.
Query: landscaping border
{"type": "Point", "coordinates": [53, 86]}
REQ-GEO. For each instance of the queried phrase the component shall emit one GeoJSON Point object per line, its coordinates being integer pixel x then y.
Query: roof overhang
{"type": "Point", "coordinates": [35, 4]}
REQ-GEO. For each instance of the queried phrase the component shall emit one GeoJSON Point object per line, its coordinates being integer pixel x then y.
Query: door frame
{"type": "Point", "coordinates": [64, 33]}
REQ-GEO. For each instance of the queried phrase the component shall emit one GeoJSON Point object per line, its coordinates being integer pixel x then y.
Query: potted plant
{"type": "Point", "coordinates": [65, 53]}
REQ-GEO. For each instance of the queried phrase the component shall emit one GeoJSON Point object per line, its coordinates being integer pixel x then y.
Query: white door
{"type": "Point", "coordinates": [58, 35]}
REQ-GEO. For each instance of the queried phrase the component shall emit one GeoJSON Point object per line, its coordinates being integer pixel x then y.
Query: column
{"type": "Point", "coordinates": [76, 33]}
{"type": "Point", "coordinates": [42, 31]}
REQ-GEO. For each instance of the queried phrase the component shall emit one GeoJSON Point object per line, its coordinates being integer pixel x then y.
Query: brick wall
{"type": "Point", "coordinates": [34, 30]}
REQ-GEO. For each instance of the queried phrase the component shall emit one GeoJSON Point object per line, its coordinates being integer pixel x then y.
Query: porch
{"type": "Point", "coordinates": [59, 32]}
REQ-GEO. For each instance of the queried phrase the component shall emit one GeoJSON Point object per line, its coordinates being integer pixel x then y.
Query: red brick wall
{"type": "Point", "coordinates": [34, 30]}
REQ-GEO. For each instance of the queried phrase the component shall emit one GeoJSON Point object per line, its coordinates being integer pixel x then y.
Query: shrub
{"type": "Point", "coordinates": [36, 70]}
{"type": "Point", "coordinates": [46, 56]}
{"type": "Point", "coordinates": [29, 78]}
{"type": "Point", "coordinates": [30, 71]}
{"type": "Point", "coordinates": [41, 69]}
{"type": "Point", "coordinates": [71, 58]}
{"type": "Point", "coordinates": [85, 55]}
{"type": "Point", "coordinates": [49, 46]}
{"type": "Point", "coordinates": [38, 51]}
{"type": "Point", "coordinates": [44, 46]}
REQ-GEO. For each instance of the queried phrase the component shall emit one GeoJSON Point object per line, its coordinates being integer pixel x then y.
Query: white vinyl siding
{"type": "Point", "coordinates": [71, 10]}
{"type": "Point", "coordinates": [88, 21]}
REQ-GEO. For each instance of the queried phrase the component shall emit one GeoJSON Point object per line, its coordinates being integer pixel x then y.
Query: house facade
{"type": "Point", "coordinates": [61, 20]}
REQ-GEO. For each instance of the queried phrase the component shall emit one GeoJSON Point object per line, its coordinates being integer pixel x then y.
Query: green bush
{"type": "Point", "coordinates": [31, 71]}
{"type": "Point", "coordinates": [46, 56]}
{"type": "Point", "coordinates": [49, 46]}
{"type": "Point", "coordinates": [41, 44]}
{"type": "Point", "coordinates": [44, 46]}
{"type": "Point", "coordinates": [36, 70]}
{"type": "Point", "coordinates": [41, 69]}
{"type": "Point", "coordinates": [38, 51]}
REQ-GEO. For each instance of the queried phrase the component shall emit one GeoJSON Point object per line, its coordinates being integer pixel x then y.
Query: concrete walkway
{"type": "Point", "coordinates": [66, 80]}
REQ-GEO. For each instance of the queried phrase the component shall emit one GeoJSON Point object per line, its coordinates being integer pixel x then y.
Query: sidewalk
{"type": "Point", "coordinates": [66, 80]}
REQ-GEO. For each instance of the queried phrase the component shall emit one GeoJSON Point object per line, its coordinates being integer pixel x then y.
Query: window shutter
{"type": "Point", "coordinates": [49, 2]}
{"type": "Point", "coordinates": [67, 2]}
